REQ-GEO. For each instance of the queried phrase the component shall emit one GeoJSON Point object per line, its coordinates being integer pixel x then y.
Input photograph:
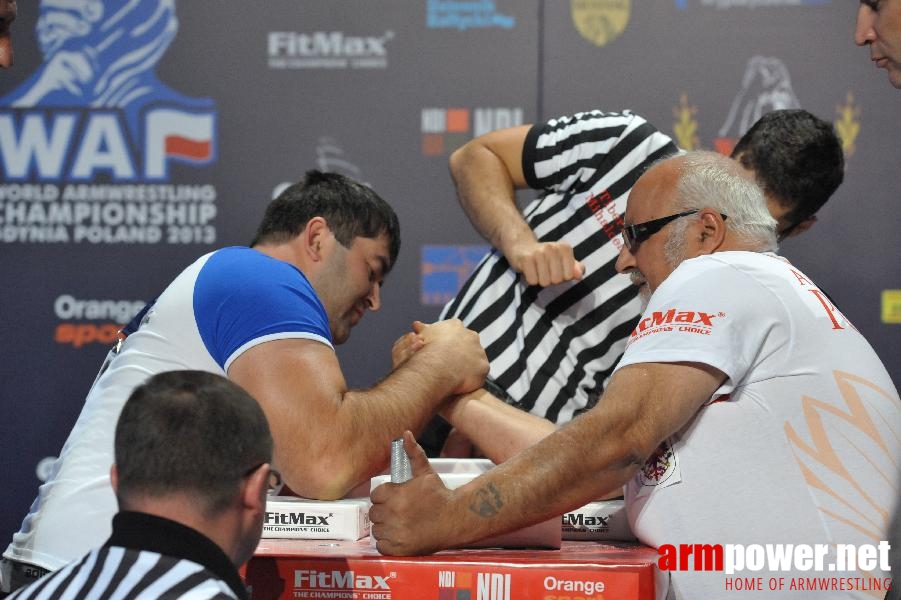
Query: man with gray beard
{"type": "Point", "coordinates": [550, 311]}
{"type": "Point", "coordinates": [746, 410]}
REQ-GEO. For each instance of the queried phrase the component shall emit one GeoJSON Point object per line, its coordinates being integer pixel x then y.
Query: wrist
{"type": "Point", "coordinates": [453, 407]}
{"type": "Point", "coordinates": [516, 243]}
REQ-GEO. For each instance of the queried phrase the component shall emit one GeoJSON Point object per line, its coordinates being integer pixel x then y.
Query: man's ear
{"type": "Point", "coordinates": [803, 226]}
{"type": "Point", "coordinates": [253, 492]}
{"type": "Point", "coordinates": [314, 235]}
{"type": "Point", "coordinates": [713, 230]}
{"type": "Point", "coordinates": [114, 477]}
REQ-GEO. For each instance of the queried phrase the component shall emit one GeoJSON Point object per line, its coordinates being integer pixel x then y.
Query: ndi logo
{"type": "Point", "coordinates": [94, 116]}
{"type": "Point", "coordinates": [446, 129]}
{"type": "Point", "coordinates": [462, 15]}
{"type": "Point", "coordinates": [487, 586]}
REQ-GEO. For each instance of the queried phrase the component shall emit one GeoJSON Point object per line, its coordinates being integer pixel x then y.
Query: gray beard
{"type": "Point", "coordinates": [674, 248]}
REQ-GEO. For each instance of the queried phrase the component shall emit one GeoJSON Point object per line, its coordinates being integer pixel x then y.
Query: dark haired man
{"type": "Point", "coordinates": [797, 161]}
{"type": "Point", "coordinates": [191, 507]}
{"type": "Point", "coordinates": [267, 317]}
{"type": "Point", "coordinates": [552, 315]}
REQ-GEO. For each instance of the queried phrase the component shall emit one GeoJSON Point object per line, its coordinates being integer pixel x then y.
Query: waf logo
{"type": "Point", "coordinates": [683, 321]}
{"type": "Point", "coordinates": [463, 585]}
{"type": "Point", "coordinates": [95, 113]}
{"type": "Point", "coordinates": [446, 129]}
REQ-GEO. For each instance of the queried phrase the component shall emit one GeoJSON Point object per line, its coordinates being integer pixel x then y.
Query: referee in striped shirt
{"type": "Point", "coordinates": [193, 453]}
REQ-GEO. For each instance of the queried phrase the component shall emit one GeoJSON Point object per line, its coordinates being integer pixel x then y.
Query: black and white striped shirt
{"type": "Point", "coordinates": [146, 558]}
{"type": "Point", "coordinates": [551, 349]}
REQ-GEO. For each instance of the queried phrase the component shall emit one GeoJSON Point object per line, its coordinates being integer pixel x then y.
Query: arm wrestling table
{"type": "Point", "coordinates": [579, 570]}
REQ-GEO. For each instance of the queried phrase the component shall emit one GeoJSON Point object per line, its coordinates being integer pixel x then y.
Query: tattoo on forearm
{"type": "Point", "coordinates": [488, 501]}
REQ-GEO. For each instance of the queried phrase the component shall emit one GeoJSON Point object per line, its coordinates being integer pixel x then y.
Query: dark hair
{"type": "Point", "coordinates": [351, 210]}
{"type": "Point", "coordinates": [797, 159]}
{"type": "Point", "coordinates": [189, 431]}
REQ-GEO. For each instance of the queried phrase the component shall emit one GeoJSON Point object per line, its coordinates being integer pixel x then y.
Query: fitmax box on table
{"type": "Point", "coordinates": [348, 519]}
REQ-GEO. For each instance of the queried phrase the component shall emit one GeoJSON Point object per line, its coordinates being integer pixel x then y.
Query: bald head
{"type": "Point", "coordinates": [687, 206]}
{"type": "Point", "coordinates": [711, 180]}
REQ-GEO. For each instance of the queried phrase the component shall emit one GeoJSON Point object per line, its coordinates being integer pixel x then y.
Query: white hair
{"type": "Point", "coordinates": [711, 180]}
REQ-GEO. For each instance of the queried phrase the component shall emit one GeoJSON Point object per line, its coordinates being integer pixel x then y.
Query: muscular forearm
{"type": "Point", "coordinates": [486, 187]}
{"type": "Point", "coordinates": [450, 361]}
{"type": "Point", "coordinates": [591, 455]}
{"type": "Point", "coordinates": [541, 482]}
{"type": "Point", "coordinates": [496, 428]}
{"type": "Point", "coordinates": [327, 438]}
{"type": "Point", "coordinates": [370, 419]}
{"type": "Point", "coordinates": [487, 171]}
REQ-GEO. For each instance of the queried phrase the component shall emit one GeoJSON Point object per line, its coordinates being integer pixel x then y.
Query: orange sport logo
{"type": "Point", "coordinates": [83, 322]}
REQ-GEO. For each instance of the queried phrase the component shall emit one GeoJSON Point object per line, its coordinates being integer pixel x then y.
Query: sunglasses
{"type": "Point", "coordinates": [636, 234]}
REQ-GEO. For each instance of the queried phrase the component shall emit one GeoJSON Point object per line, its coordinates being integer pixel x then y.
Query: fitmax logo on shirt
{"type": "Point", "coordinates": [686, 321]}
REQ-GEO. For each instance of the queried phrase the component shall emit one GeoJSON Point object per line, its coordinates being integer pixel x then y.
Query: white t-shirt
{"type": "Point", "coordinates": [799, 445]}
{"type": "Point", "coordinates": [225, 303]}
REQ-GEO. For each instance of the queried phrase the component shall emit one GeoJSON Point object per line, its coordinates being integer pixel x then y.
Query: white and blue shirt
{"type": "Point", "coordinates": [225, 303]}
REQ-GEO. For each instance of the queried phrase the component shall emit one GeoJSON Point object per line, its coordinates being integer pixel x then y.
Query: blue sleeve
{"type": "Point", "coordinates": [243, 297]}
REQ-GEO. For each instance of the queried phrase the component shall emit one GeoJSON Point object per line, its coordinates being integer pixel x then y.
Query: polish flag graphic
{"type": "Point", "coordinates": [177, 135]}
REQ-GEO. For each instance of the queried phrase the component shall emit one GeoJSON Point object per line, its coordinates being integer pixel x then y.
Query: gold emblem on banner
{"type": "Point", "coordinates": [600, 21]}
{"type": "Point", "coordinates": [685, 127]}
{"type": "Point", "coordinates": [847, 125]}
{"type": "Point", "coordinates": [891, 306]}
